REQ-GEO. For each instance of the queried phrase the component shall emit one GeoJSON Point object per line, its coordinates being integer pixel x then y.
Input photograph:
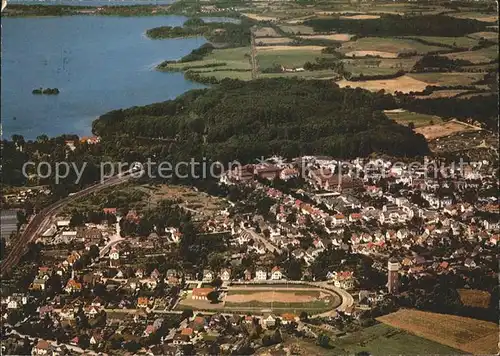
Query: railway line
{"type": "Point", "coordinates": [42, 220]}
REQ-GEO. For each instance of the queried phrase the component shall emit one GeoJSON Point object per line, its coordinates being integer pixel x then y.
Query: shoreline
{"type": "Point", "coordinates": [46, 10]}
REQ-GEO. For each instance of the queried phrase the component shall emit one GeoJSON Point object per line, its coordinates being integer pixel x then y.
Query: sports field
{"type": "Point", "coordinates": [469, 335]}
{"type": "Point", "coordinates": [292, 299]}
{"type": "Point", "coordinates": [281, 300]}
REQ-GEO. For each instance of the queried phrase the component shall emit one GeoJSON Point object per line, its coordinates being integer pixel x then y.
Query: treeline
{"type": "Point", "coordinates": [17, 151]}
{"type": "Point", "coordinates": [362, 77]}
{"type": "Point", "coordinates": [481, 108]}
{"type": "Point", "coordinates": [227, 33]}
{"type": "Point", "coordinates": [199, 78]}
{"type": "Point", "coordinates": [437, 63]}
{"type": "Point", "coordinates": [322, 63]}
{"type": "Point", "coordinates": [198, 53]}
{"type": "Point", "coordinates": [43, 10]}
{"type": "Point", "coordinates": [243, 120]}
{"type": "Point", "coordinates": [46, 91]}
{"type": "Point", "coordinates": [396, 25]}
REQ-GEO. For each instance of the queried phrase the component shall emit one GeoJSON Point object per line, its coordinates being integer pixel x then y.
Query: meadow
{"type": "Point", "coordinates": [383, 339]}
{"type": "Point", "coordinates": [466, 334]}
{"type": "Point", "coordinates": [404, 117]}
{"type": "Point", "coordinates": [483, 55]}
{"type": "Point", "coordinates": [385, 47]}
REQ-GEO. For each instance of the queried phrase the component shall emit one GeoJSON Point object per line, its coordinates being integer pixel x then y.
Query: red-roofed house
{"type": "Point", "coordinates": [201, 293]}
{"type": "Point", "coordinates": [276, 273]}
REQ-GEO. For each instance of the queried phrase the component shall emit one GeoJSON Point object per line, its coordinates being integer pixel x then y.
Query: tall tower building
{"type": "Point", "coordinates": [393, 275]}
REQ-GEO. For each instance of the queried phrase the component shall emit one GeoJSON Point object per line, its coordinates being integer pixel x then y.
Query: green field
{"type": "Point", "coordinates": [221, 74]}
{"type": "Point", "coordinates": [382, 339]}
{"type": "Point", "coordinates": [311, 307]}
{"type": "Point", "coordinates": [385, 44]}
{"type": "Point", "coordinates": [288, 58]}
{"type": "Point", "coordinates": [317, 74]}
{"type": "Point", "coordinates": [482, 55]}
{"type": "Point", "coordinates": [297, 29]}
{"type": "Point", "coordinates": [377, 66]}
{"type": "Point", "coordinates": [312, 293]}
{"type": "Point", "coordinates": [486, 35]}
{"type": "Point", "coordinates": [419, 120]}
{"type": "Point", "coordinates": [480, 16]}
{"type": "Point", "coordinates": [461, 42]}
{"type": "Point", "coordinates": [231, 58]}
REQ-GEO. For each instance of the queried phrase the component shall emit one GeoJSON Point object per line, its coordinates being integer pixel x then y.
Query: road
{"type": "Point", "coordinates": [257, 237]}
{"type": "Point", "coordinates": [113, 240]}
{"type": "Point", "coordinates": [346, 298]}
{"type": "Point", "coordinates": [43, 219]}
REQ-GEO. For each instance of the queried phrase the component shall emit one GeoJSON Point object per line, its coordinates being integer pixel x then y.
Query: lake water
{"type": "Point", "coordinates": [98, 63]}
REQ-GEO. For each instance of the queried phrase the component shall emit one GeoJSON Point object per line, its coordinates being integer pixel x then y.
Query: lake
{"type": "Point", "coordinates": [99, 63]}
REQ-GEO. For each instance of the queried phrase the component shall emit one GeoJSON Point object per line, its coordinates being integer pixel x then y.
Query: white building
{"type": "Point", "coordinates": [260, 275]}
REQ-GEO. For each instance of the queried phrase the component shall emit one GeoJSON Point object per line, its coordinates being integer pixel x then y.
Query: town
{"type": "Point", "coordinates": [311, 249]}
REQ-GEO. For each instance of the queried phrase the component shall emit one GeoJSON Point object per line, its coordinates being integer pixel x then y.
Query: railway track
{"type": "Point", "coordinates": [43, 219]}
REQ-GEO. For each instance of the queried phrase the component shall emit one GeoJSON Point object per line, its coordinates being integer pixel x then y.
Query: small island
{"type": "Point", "coordinates": [46, 91]}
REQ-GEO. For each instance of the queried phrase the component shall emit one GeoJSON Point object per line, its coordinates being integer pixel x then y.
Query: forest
{"type": "Point", "coordinates": [244, 120]}
{"type": "Point", "coordinates": [483, 108]}
{"type": "Point", "coordinates": [227, 33]}
{"type": "Point", "coordinates": [396, 25]}
{"type": "Point", "coordinates": [437, 63]}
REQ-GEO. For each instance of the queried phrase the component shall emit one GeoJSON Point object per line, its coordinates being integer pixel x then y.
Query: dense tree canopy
{"type": "Point", "coordinates": [227, 33]}
{"type": "Point", "coordinates": [396, 25]}
{"type": "Point", "coordinates": [244, 120]}
{"type": "Point", "coordinates": [481, 108]}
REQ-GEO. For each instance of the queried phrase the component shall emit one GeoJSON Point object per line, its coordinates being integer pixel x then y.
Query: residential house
{"type": "Point", "coordinates": [247, 275]}
{"type": "Point", "coordinates": [96, 339]}
{"type": "Point", "coordinates": [225, 274]}
{"type": "Point", "coordinates": [288, 318]}
{"type": "Point", "coordinates": [73, 286]}
{"type": "Point", "coordinates": [208, 275]}
{"type": "Point", "coordinates": [180, 339]}
{"type": "Point", "coordinates": [142, 302]}
{"type": "Point", "coordinates": [42, 348]}
{"type": "Point", "coordinates": [133, 217]}
{"type": "Point", "coordinates": [155, 274]}
{"type": "Point", "coordinates": [114, 256]}
{"type": "Point", "coordinates": [268, 320]}
{"type": "Point", "coordinates": [110, 211]}
{"type": "Point", "coordinates": [260, 274]}
{"type": "Point", "coordinates": [470, 263]}
{"type": "Point", "coordinates": [338, 219]}
{"type": "Point", "coordinates": [276, 273]}
{"type": "Point", "coordinates": [201, 293]}
{"type": "Point", "coordinates": [45, 310]}
{"type": "Point", "coordinates": [38, 284]}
